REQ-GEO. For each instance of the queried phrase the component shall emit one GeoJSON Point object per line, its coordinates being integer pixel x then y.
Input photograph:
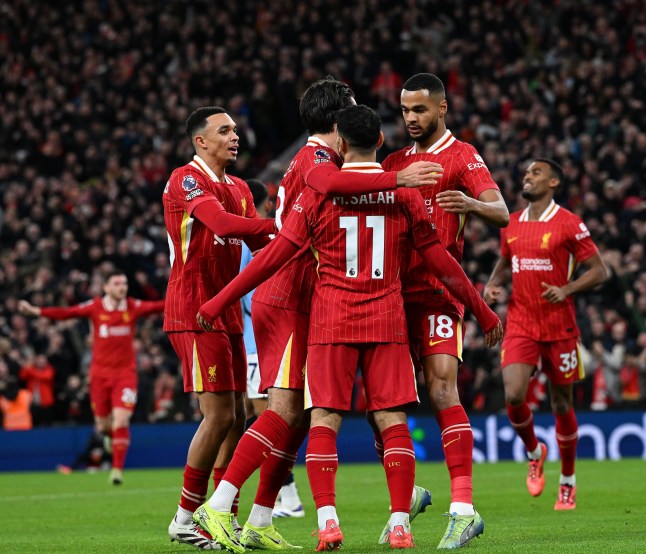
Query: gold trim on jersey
{"type": "Point", "coordinates": [185, 233]}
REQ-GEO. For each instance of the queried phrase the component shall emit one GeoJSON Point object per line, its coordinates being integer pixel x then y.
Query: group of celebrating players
{"type": "Point", "coordinates": [363, 272]}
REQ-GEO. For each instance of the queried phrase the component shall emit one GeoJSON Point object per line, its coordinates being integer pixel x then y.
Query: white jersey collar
{"type": "Point", "coordinates": [200, 164]}
{"type": "Point", "coordinates": [446, 140]}
{"type": "Point", "coordinates": [548, 213]}
{"type": "Point", "coordinates": [363, 167]}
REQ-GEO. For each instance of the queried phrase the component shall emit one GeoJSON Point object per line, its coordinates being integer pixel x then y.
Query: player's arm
{"type": "Point", "coordinates": [489, 206]}
{"type": "Point", "coordinates": [81, 310]}
{"type": "Point", "coordinates": [212, 214]}
{"type": "Point", "coordinates": [595, 274]}
{"type": "Point", "coordinates": [328, 179]}
{"type": "Point", "coordinates": [145, 307]}
{"type": "Point", "coordinates": [260, 268]}
{"type": "Point", "coordinates": [446, 268]}
{"type": "Point", "coordinates": [499, 276]}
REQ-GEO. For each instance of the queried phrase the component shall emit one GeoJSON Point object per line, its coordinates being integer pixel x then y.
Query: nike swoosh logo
{"type": "Point", "coordinates": [569, 374]}
{"type": "Point", "coordinates": [433, 343]}
{"type": "Point", "coordinates": [451, 442]}
{"type": "Point", "coordinates": [511, 239]}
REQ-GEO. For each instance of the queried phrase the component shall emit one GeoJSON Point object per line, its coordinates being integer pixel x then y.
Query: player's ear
{"type": "Point", "coordinates": [380, 142]}
{"type": "Point", "coordinates": [443, 107]}
{"type": "Point", "coordinates": [342, 146]}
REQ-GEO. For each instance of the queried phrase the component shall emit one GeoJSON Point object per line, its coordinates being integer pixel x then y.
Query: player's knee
{"type": "Point", "coordinates": [222, 420]}
{"type": "Point", "coordinates": [560, 406]}
{"type": "Point", "coordinates": [443, 393]}
{"type": "Point", "coordinates": [514, 397]}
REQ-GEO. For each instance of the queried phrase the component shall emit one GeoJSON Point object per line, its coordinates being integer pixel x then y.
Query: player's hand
{"type": "Point", "coordinates": [420, 174]}
{"type": "Point", "coordinates": [494, 336]}
{"type": "Point", "coordinates": [553, 294]}
{"type": "Point", "coordinates": [492, 294]}
{"type": "Point", "coordinates": [204, 323]}
{"type": "Point", "coordinates": [455, 201]}
{"type": "Point", "coordinates": [25, 308]}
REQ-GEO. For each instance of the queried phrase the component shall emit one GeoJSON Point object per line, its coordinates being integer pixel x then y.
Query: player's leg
{"type": "Point", "coordinates": [101, 404]}
{"type": "Point", "coordinates": [329, 378]}
{"type": "Point", "coordinates": [123, 399]}
{"type": "Point", "coordinates": [207, 370]}
{"type": "Point", "coordinates": [519, 358]}
{"type": "Point", "coordinates": [390, 385]}
{"type": "Point", "coordinates": [562, 364]}
{"type": "Point", "coordinates": [322, 462]}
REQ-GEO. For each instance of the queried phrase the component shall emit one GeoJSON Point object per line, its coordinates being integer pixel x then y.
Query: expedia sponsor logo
{"type": "Point", "coordinates": [531, 264]}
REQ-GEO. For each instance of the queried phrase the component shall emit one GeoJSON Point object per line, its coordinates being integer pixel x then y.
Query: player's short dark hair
{"type": "Point", "coordinates": [556, 169]}
{"type": "Point", "coordinates": [359, 126]}
{"type": "Point", "coordinates": [197, 120]}
{"type": "Point", "coordinates": [321, 101]}
{"type": "Point", "coordinates": [258, 191]}
{"type": "Point", "coordinates": [113, 273]}
{"type": "Point", "coordinates": [425, 81]}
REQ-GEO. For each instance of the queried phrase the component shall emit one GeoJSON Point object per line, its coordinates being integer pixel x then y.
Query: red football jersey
{"type": "Point", "coordinates": [464, 170]}
{"type": "Point", "coordinates": [113, 331]}
{"type": "Point", "coordinates": [201, 263]}
{"type": "Point", "coordinates": [543, 251]}
{"type": "Point", "coordinates": [359, 242]}
{"type": "Point", "coordinates": [291, 287]}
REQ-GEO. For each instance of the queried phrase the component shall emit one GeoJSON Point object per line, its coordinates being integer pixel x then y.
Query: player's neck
{"type": "Point", "coordinates": [538, 207]}
{"type": "Point", "coordinates": [327, 138]}
{"type": "Point", "coordinates": [356, 157]}
{"type": "Point", "coordinates": [423, 146]}
{"type": "Point", "coordinates": [215, 166]}
{"type": "Point", "coordinates": [111, 301]}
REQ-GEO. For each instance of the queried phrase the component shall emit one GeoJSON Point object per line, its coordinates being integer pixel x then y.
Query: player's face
{"type": "Point", "coordinates": [116, 287]}
{"type": "Point", "coordinates": [220, 138]}
{"type": "Point", "coordinates": [421, 113]}
{"type": "Point", "coordinates": [538, 181]}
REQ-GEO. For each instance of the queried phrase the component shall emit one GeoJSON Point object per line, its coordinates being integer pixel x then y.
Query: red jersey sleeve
{"type": "Point", "coordinates": [81, 310]}
{"type": "Point", "coordinates": [422, 232]}
{"type": "Point", "coordinates": [297, 226]}
{"type": "Point", "coordinates": [142, 307]}
{"type": "Point", "coordinates": [581, 244]}
{"type": "Point", "coordinates": [475, 175]}
{"type": "Point", "coordinates": [327, 179]}
{"type": "Point", "coordinates": [188, 188]}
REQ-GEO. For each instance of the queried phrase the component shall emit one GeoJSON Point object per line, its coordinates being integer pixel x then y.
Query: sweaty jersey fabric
{"type": "Point", "coordinates": [113, 331]}
{"type": "Point", "coordinates": [543, 251]}
{"type": "Point", "coordinates": [201, 263]}
{"type": "Point", "coordinates": [464, 170]}
{"type": "Point", "coordinates": [359, 241]}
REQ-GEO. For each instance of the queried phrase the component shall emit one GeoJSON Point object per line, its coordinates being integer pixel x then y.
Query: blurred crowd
{"type": "Point", "coordinates": [94, 97]}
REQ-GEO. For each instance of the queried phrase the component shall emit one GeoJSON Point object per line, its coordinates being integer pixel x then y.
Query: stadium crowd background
{"type": "Point", "coordinates": [92, 111]}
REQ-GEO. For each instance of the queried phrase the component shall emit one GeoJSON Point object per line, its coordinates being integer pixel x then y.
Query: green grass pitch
{"type": "Point", "coordinates": [49, 512]}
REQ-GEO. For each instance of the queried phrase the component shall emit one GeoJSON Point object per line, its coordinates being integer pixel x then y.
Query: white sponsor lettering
{"type": "Point", "coordinates": [194, 194]}
{"type": "Point", "coordinates": [488, 440]}
{"type": "Point", "coordinates": [106, 331]}
{"type": "Point", "coordinates": [531, 264]}
{"type": "Point", "coordinates": [473, 166]}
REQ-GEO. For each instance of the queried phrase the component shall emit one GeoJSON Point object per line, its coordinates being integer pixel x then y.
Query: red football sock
{"type": "Point", "coordinates": [567, 435]}
{"type": "Point", "coordinates": [196, 483]}
{"type": "Point", "coordinates": [322, 462]}
{"type": "Point", "coordinates": [379, 447]}
{"type": "Point", "coordinates": [457, 441]}
{"type": "Point", "coordinates": [120, 444]}
{"type": "Point", "coordinates": [236, 504]}
{"type": "Point", "coordinates": [399, 463]}
{"type": "Point", "coordinates": [254, 447]}
{"type": "Point", "coordinates": [278, 466]}
{"type": "Point", "coordinates": [522, 421]}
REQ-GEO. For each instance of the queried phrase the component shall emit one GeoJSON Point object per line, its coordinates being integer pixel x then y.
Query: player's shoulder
{"type": "Point", "coordinates": [186, 179]}
{"type": "Point", "coordinates": [133, 302]}
{"type": "Point", "coordinates": [396, 158]}
{"type": "Point", "coordinates": [316, 152]}
{"type": "Point", "coordinates": [92, 302]}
